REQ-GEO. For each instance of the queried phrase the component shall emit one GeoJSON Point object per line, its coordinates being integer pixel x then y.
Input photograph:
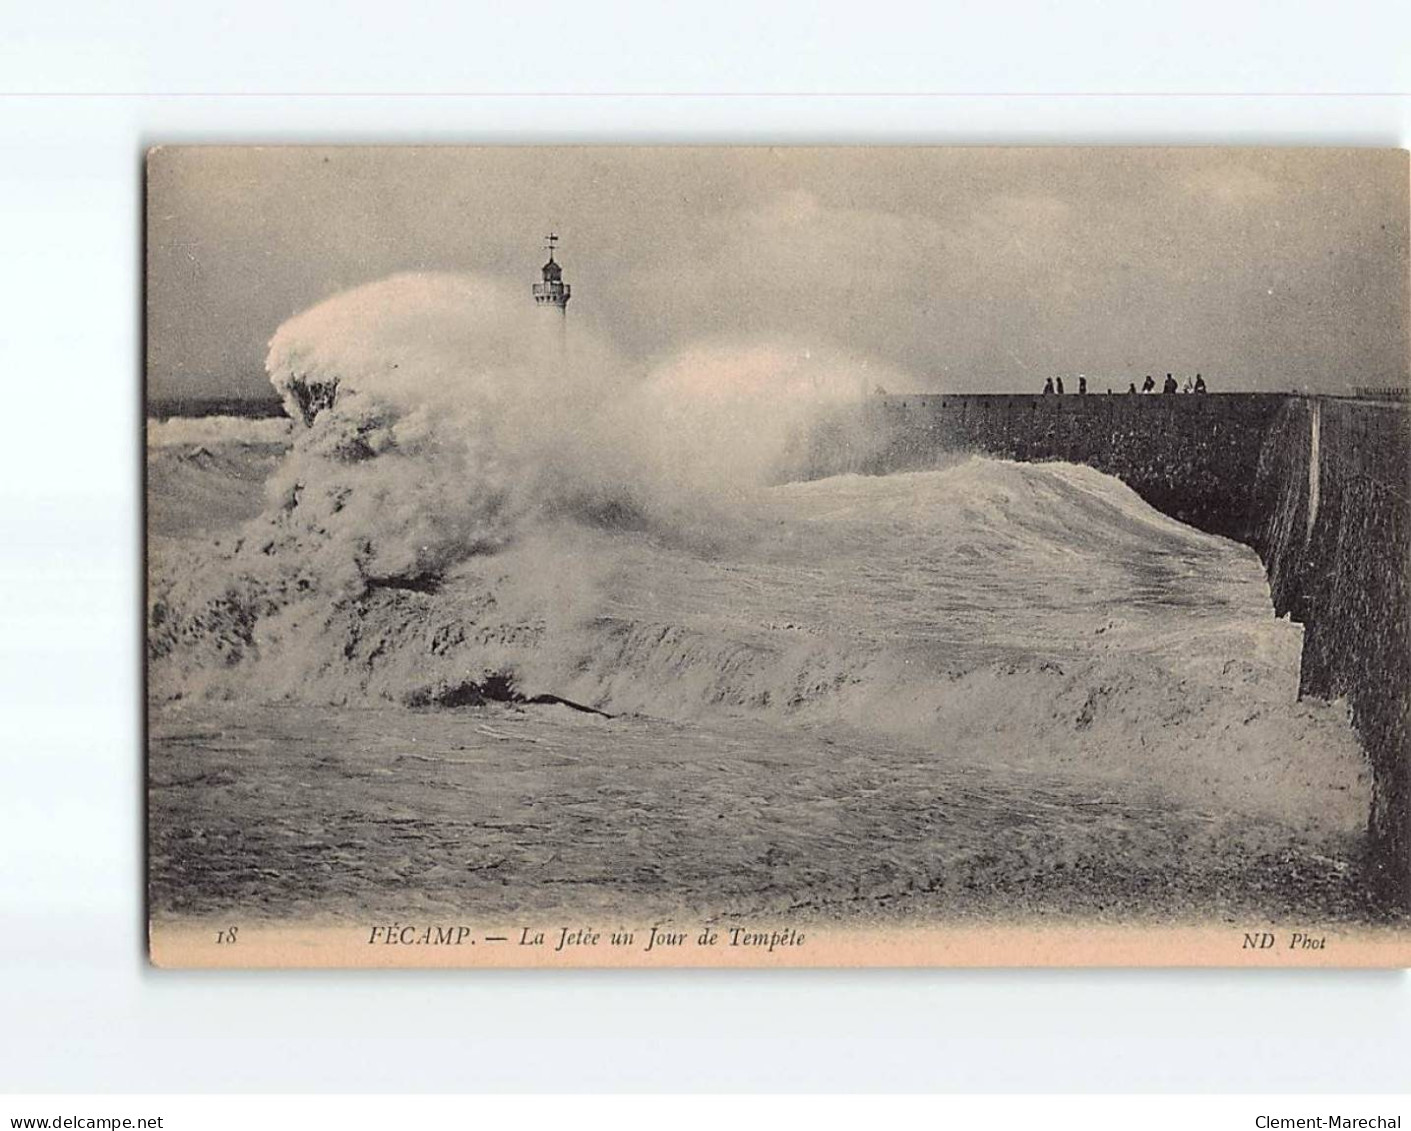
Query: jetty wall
{"type": "Point", "coordinates": [1320, 487]}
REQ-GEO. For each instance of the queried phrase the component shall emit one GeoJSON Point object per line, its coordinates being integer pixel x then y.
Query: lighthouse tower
{"type": "Point", "coordinates": [553, 293]}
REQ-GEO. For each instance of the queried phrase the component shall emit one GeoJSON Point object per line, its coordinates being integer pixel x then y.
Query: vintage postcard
{"type": "Point", "coordinates": [777, 557]}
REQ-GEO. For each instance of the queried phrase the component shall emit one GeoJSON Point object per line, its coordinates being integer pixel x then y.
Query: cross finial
{"type": "Point", "coordinates": [551, 239]}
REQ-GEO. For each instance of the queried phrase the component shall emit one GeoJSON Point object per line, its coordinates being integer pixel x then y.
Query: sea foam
{"type": "Point", "coordinates": [467, 510]}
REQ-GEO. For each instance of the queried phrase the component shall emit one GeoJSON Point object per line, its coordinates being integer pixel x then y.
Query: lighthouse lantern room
{"type": "Point", "coordinates": [553, 291]}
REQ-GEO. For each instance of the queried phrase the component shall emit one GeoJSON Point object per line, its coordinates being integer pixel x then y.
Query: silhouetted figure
{"type": "Point", "coordinates": [1048, 386]}
{"type": "Point", "coordinates": [1199, 383]}
{"type": "Point", "coordinates": [1170, 385]}
{"type": "Point", "coordinates": [1082, 384]}
{"type": "Point", "coordinates": [1059, 382]}
{"type": "Point", "coordinates": [1148, 385]}
{"type": "Point", "coordinates": [1132, 386]}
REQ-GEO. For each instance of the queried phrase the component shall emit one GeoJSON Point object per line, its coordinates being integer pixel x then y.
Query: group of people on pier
{"type": "Point", "coordinates": [1194, 384]}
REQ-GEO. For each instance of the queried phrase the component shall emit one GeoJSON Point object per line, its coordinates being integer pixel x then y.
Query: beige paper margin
{"type": "Point", "coordinates": [292, 946]}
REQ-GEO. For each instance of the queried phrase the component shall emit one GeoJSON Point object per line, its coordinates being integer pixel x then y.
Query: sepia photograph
{"type": "Point", "coordinates": [711, 556]}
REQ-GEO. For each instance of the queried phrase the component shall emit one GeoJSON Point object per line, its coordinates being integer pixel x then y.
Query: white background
{"type": "Point", "coordinates": [88, 85]}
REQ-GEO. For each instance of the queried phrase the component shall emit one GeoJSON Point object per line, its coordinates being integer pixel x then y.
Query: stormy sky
{"type": "Point", "coordinates": [965, 269]}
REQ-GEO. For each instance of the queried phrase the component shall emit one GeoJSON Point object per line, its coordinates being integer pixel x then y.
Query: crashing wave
{"type": "Point", "coordinates": [213, 430]}
{"type": "Point", "coordinates": [465, 514]}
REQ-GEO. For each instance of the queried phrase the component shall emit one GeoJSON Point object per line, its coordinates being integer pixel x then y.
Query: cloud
{"type": "Point", "coordinates": [981, 269]}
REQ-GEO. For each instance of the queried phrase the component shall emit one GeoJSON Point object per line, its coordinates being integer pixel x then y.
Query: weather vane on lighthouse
{"type": "Point", "coordinates": [553, 291]}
